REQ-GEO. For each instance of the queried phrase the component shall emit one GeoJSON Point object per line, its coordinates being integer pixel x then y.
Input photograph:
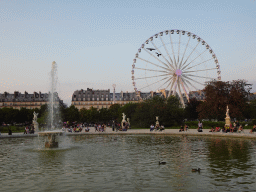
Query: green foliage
{"type": "Point", "coordinates": [219, 94]}
{"type": "Point", "coordinates": [71, 114]}
{"type": "Point", "coordinates": [191, 112]}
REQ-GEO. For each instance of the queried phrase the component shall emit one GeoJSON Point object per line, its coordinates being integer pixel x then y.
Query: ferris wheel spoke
{"type": "Point", "coordinates": [190, 54]}
{"type": "Point", "coordinates": [170, 81]}
{"type": "Point", "coordinates": [186, 76]}
{"type": "Point", "coordinates": [165, 82]}
{"type": "Point", "coordinates": [153, 83]}
{"type": "Point", "coordinates": [200, 76]}
{"type": "Point", "coordinates": [153, 64]}
{"type": "Point", "coordinates": [151, 76]}
{"type": "Point", "coordinates": [179, 51]}
{"type": "Point", "coordinates": [184, 52]}
{"type": "Point", "coordinates": [186, 85]}
{"type": "Point", "coordinates": [175, 85]}
{"type": "Point", "coordinates": [181, 96]}
{"type": "Point", "coordinates": [161, 54]}
{"type": "Point", "coordinates": [171, 65]}
{"type": "Point", "coordinates": [194, 59]}
{"type": "Point", "coordinates": [156, 59]}
{"type": "Point", "coordinates": [200, 70]}
{"type": "Point", "coordinates": [151, 70]}
{"type": "Point", "coordinates": [173, 51]}
{"type": "Point", "coordinates": [200, 63]}
{"type": "Point", "coordinates": [187, 81]}
{"type": "Point", "coordinates": [184, 89]}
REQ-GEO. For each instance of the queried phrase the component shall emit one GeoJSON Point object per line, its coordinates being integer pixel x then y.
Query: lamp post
{"type": "Point", "coordinates": [114, 93]}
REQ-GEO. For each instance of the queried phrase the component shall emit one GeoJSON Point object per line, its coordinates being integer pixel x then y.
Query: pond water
{"type": "Point", "coordinates": [128, 163]}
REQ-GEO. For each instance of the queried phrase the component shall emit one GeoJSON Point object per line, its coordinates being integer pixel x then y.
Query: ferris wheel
{"type": "Point", "coordinates": [175, 62]}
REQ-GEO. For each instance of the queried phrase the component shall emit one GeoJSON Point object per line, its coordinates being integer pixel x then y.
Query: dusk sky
{"type": "Point", "coordinates": [94, 42]}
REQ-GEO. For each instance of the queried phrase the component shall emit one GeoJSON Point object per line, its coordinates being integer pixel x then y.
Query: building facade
{"type": "Point", "coordinates": [104, 99]}
{"type": "Point", "coordinates": [18, 100]}
{"type": "Point", "coordinates": [101, 98]}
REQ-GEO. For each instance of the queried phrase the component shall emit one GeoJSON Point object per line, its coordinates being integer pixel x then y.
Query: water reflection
{"type": "Point", "coordinates": [121, 162]}
{"type": "Point", "coordinates": [230, 160]}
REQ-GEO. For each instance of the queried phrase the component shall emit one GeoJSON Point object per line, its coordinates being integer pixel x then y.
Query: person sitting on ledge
{"type": "Point", "coordinates": [32, 130]}
{"type": "Point", "coordinates": [200, 127]}
{"type": "Point", "coordinates": [212, 129]}
{"type": "Point", "coordinates": [217, 129]}
{"type": "Point", "coordinates": [186, 127]}
{"type": "Point", "coordinates": [161, 128]}
{"type": "Point", "coordinates": [181, 128]}
{"type": "Point", "coordinates": [253, 129]}
{"type": "Point", "coordinates": [87, 129]}
{"type": "Point", "coordinates": [224, 129]}
{"type": "Point", "coordinates": [227, 129]}
{"type": "Point", "coordinates": [152, 127]}
{"type": "Point", "coordinates": [235, 129]}
{"type": "Point", "coordinates": [157, 127]}
{"type": "Point", "coordinates": [240, 129]}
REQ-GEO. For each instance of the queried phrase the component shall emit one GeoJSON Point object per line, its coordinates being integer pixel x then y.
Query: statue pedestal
{"type": "Point", "coordinates": [36, 126]}
{"type": "Point", "coordinates": [227, 121]}
{"type": "Point", "coordinates": [51, 136]}
{"type": "Point", "coordinates": [123, 123]}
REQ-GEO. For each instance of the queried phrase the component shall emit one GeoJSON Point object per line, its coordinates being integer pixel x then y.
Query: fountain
{"type": "Point", "coordinates": [53, 109]}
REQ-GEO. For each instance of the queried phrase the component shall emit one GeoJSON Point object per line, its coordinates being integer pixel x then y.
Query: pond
{"type": "Point", "coordinates": [128, 163]}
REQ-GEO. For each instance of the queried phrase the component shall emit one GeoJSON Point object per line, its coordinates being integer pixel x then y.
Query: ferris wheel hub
{"type": "Point", "coordinates": [178, 72]}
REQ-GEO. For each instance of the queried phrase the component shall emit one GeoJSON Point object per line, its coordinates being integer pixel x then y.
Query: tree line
{"type": "Point", "coordinates": [218, 95]}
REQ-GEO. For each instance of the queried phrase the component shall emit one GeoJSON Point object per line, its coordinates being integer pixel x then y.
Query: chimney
{"type": "Point", "coordinates": [16, 94]}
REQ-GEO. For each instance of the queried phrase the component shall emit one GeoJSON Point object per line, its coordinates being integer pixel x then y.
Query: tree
{"type": "Point", "coordinates": [175, 113]}
{"type": "Point", "coordinates": [113, 109]}
{"type": "Point", "coordinates": [71, 114]}
{"type": "Point", "coordinates": [219, 94]}
{"type": "Point", "coordinates": [191, 112]}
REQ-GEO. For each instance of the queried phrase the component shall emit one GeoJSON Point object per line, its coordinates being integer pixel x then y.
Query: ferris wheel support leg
{"type": "Point", "coordinates": [173, 82]}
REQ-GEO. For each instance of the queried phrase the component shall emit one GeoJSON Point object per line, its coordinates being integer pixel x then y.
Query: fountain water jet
{"type": "Point", "coordinates": [53, 111]}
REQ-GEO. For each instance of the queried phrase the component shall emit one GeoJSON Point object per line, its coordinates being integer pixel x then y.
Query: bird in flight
{"type": "Point", "coordinates": [158, 54]}
{"type": "Point", "coordinates": [150, 49]}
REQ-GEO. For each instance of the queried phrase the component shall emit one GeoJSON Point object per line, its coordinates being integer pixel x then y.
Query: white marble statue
{"type": "Point", "coordinates": [124, 116]}
{"type": "Point", "coordinates": [35, 116]}
{"type": "Point", "coordinates": [227, 112]}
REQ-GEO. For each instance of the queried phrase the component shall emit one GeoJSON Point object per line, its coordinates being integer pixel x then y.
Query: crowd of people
{"type": "Point", "coordinates": [29, 129]}
{"type": "Point", "coordinates": [157, 127]}
{"type": "Point", "coordinates": [79, 127]}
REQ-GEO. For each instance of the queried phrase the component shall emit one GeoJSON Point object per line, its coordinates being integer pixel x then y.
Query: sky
{"type": "Point", "coordinates": [94, 42]}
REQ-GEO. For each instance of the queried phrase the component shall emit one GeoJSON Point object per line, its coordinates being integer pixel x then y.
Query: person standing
{"type": "Point", "coordinates": [113, 126]}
